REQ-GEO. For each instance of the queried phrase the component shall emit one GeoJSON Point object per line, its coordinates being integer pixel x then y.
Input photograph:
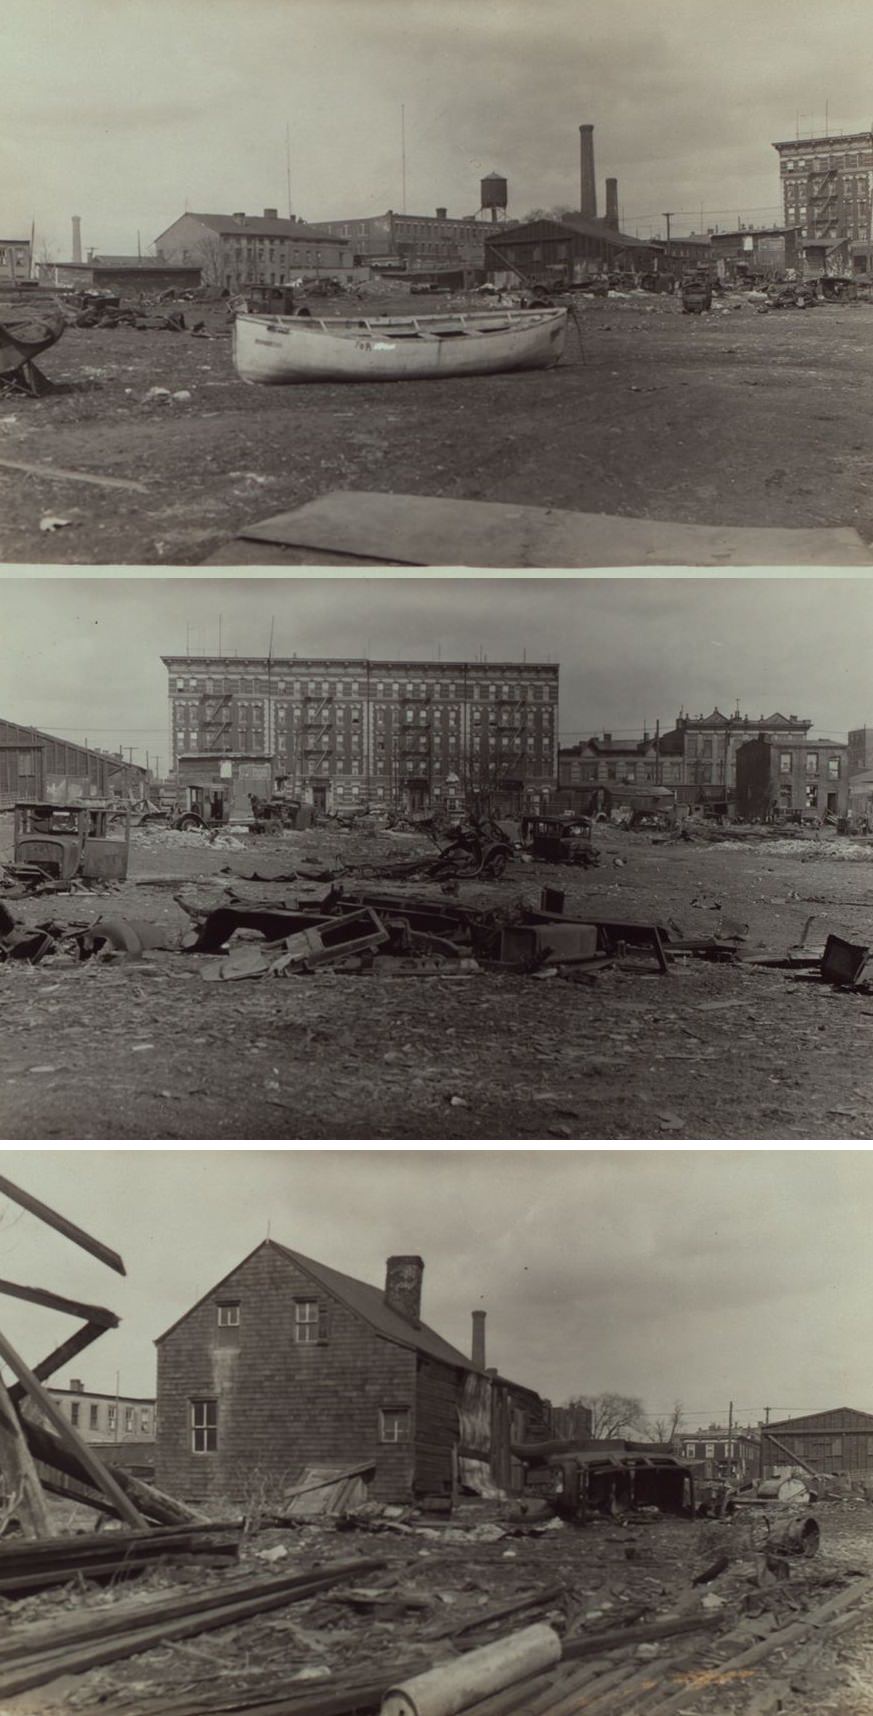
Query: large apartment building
{"type": "Point", "coordinates": [827, 188]}
{"type": "Point", "coordinates": [342, 732]}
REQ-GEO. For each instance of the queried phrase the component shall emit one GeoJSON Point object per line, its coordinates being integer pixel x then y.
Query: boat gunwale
{"type": "Point", "coordinates": [346, 327]}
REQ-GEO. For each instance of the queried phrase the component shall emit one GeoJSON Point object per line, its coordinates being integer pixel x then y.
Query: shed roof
{"type": "Point", "coordinates": [360, 1298]}
{"type": "Point", "coordinates": [851, 1419]}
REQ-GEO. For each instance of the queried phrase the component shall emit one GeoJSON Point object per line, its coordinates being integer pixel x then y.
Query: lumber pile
{"type": "Point", "coordinates": [27, 1565]}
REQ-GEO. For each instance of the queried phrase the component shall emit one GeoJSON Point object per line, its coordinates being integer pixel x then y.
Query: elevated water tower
{"type": "Point", "coordinates": [493, 195]}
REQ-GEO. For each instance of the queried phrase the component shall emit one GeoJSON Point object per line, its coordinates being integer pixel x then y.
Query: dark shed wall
{"type": "Point", "coordinates": [436, 1426]}
{"type": "Point", "coordinates": [836, 1441]}
{"type": "Point", "coordinates": [280, 1404]}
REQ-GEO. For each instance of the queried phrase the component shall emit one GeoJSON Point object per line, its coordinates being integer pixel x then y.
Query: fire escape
{"type": "Point", "coordinates": [215, 722]}
{"type": "Point", "coordinates": [512, 737]}
{"type": "Point", "coordinates": [825, 212]}
{"type": "Point", "coordinates": [318, 736]}
{"type": "Point", "coordinates": [415, 747]}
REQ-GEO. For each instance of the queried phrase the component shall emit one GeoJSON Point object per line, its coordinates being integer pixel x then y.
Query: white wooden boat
{"type": "Point", "coordinates": [279, 349]}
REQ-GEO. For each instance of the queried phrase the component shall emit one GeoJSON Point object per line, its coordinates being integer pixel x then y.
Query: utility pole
{"type": "Point", "coordinates": [730, 1433]}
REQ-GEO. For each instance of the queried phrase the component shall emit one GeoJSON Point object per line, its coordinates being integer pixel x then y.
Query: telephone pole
{"type": "Point", "coordinates": [668, 216]}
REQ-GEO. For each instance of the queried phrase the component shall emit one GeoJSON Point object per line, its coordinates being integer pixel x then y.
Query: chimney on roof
{"type": "Point", "coordinates": [76, 1387]}
{"type": "Point", "coordinates": [606, 738]}
{"type": "Point", "coordinates": [587, 186]}
{"type": "Point", "coordinates": [477, 1351]}
{"type": "Point", "coordinates": [271, 214]}
{"type": "Point", "coordinates": [238, 216]}
{"type": "Point", "coordinates": [403, 1276]}
{"type": "Point", "coordinates": [77, 238]}
{"type": "Point", "coordinates": [441, 214]}
{"type": "Point", "coordinates": [612, 203]}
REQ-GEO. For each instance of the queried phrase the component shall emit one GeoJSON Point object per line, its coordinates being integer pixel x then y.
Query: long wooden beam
{"type": "Point", "coordinates": [61, 1225]}
{"type": "Point", "coordinates": [98, 1474]}
{"type": "Point", "coordinates": [54, 1302]}
{"type": "Point", "coordinates": [62, 1355]}
{"type": "Point", "coordinates": [50, 1451]}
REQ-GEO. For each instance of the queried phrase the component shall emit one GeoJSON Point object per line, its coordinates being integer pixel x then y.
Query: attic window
{"type": "Point", "coordinates": [394, 1424]}
{"type": "Point", "coordinates": [306, 1322]}
{"type": "Point", "coordinates": [228, 1314]}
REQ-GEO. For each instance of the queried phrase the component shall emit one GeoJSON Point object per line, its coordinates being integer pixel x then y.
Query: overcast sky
{"type": "Point", "coordinates": [80, 657]}
{"type": "Point", "coordinates": [127, 111]}
{"type": "Point", "coordinates": [704, 1276]}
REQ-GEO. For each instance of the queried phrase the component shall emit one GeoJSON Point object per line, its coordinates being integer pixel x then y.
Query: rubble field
{"type": "Point", "coordinates": [729, 418]}
{"type": "Point", "coordinates": [710, 1628]}
{"type": "Point", "coordinates": [144, 1048]}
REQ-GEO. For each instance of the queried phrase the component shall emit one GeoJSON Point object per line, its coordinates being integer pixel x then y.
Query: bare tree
{"type": "Point", "coordinates": [213, 260]}
{"type": "Point", "coordinates": [665, 1430]}
{"type": "Point", "coordinates": [613, 1415]}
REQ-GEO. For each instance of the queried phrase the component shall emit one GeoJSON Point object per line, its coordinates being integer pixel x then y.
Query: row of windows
{"type": "Point", "coordinates": [393, 1423]}
{"type": "Point", "coordinates": [108, 1412]}
{"type": "Point", "coordinates": [813, 764]}
{"type": "Point", "coordinates": [511, 690]}
{"type": "Point", "coordinates": [309, 1323]}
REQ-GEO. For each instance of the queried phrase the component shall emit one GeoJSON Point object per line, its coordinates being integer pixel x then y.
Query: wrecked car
{"type": "Point", "coordinates": [68, 842]}
{"type": "Point", "coordinates": [560, 839]}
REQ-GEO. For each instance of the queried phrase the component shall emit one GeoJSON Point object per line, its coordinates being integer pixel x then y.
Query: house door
{"type": "Point", "coordinates": [319, 794]}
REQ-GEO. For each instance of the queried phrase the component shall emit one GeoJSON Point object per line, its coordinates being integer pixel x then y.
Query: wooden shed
{"type": "Point", "coordinates": [839, 1440]}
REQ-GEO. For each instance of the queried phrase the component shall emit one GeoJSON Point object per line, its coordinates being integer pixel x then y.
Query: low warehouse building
{"type": "Point", "coordinates": [36, 765]}
{"type": "Point", "coordinates": [840, 1440]}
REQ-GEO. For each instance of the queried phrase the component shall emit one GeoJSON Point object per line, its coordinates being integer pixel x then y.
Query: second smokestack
{"type": "Point", "coordinates": [587, 184]}
{"type": "Point", "coordinates": [77, 238]}
{"type": "Point", "coordinates": [478, 1349]}
{"type": "Point", "coordinates": [612, 203]}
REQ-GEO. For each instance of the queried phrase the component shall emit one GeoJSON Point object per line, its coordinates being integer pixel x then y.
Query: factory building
{"type": "Point", "coordinates": [36, 765]}
{"type": "Point", "coordinates": [235, 250]}
{"type": "Point", "coordinates": [410, 242]}
{"type": "Point", "coordinates": [343, 732]}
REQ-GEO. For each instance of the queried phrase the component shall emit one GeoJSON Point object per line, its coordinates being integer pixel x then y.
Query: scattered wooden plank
{"type": "Point", "coordinates": [152, 1503]}
{"type": "Point", "coordinates": [60, 474]}
{"type": "Point", "coordinates": [78, 1659]}
{"type": "Point", "coordinates": [36, 1207]}
{"type": "Point", "coordinates": [99, 1474]}
{"type": "Point", "coordinates": [535, 1600]}
{"type": "Point", "coordinates": [596, 1643]}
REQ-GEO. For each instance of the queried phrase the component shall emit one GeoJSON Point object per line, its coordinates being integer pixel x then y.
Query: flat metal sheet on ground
{"type": "Point", "coordinates": [417, 530]}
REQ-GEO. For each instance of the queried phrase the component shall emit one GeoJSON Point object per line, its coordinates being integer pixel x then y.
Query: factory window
{"type": "Point", "coordinates": [306, 1322]}
{"type": "Point", "coordinates": [111, 1417]}
{"type": "Point", "coordinates": [74, 1412]}
{"type": "Point", "coordinates": [394, 1423]}
{"type": "Point", "coordinates": [129, 1420]}
{"type": "Point", "coordinates": [833, 768]}
{"type": "Point", "coordinates": [145, 1421]}
{"type": "Point", "coordinates": [93, 1415]}
{"type": "Point", "coordinates": [228, 1314]}
{"type": "Point", "coordinates": [812, 762]}
{"type": "Point", "coordinates": [204, 1426]}
{"type": "Point", "coordinates": [709, 1450]}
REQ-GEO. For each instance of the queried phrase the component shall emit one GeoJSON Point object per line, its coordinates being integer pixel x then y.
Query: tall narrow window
{"type": "Point", "coordinates": [204, 1426]}
{"type": "Point", "coordinates": [306, 1322]}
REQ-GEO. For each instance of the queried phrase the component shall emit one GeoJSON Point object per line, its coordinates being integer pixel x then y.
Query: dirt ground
{"type": "Point", "coordinates": [592, 1579]}
{"type": "Point", "coordinates": [146, 1049]}
{"type": "Point", "coordinates": [731, 418]}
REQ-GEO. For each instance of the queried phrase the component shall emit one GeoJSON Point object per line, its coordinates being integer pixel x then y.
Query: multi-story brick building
{"type": "Point", "coordinates": [732, 1453]}
{"type": "Point", "coordinates": [347, 731]}
{"type": "Point", "coordinates": [827, 190]}
{"type": "Point", "coordinates": [699, 756]}
{"type": "Point", "coordinates": [780, 776]}
{"type": "Point", "coordinates": [411, 241]}
{"type": "Point", "coordinates": [286, 1362]}
{"type": "Point", "coordinates": [604, 760]}
{"type": "Point", "coordinates": [244, 250]}
{"type": "Point", "coordinates": [122, 1426]}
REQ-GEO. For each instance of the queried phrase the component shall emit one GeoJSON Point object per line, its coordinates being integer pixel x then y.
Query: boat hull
{"type": "Point", "coordinates": [278, 350]}
{"type": "Point", "coordinates": [25, 335]}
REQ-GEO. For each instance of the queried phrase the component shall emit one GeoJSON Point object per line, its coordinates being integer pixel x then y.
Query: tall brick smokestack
{"type": "Point", "coordinates": [77, 238]}
{"type": "Point", "coordinates": [612, 203]}
{"type": "Point", "coordinates": [403, 1277]}
{"type": "Point", "coordinates": [587, 186]}
{"type": "Point", "coordinates": [477, 1353]}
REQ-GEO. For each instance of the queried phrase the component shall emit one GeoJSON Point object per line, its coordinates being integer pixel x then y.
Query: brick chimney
{"type": "Point", "coordinates": [477, 1352]}
{"type": "Point", "coordinates": [77, 238]}
{"type": "Point", "coordinates": [271, 214]}
{"type": "Point", "coordinates": [587, 184]}
{"type": "Point", "coordinates": [441, 214]}
{"type": "Point", "coordinates": [403, 1277]}
{"type": "Point", "coordinates": [76, 1387]}
{"type": "Point", "coordinates": [612, 203]}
